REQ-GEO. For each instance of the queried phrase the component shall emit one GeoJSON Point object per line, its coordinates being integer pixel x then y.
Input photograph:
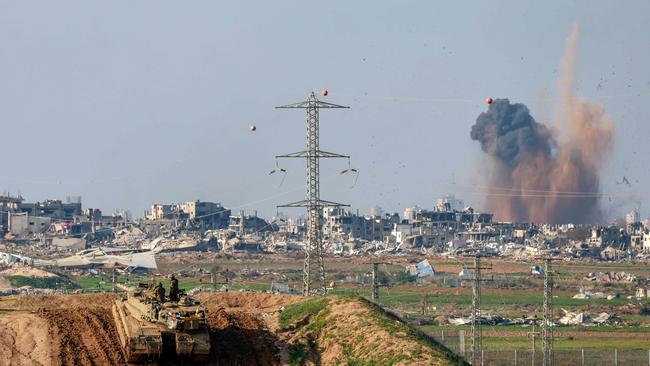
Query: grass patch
{"type": "Point", "coordinates": [44, 282]}
{"type": "Point", "coordinates": [509, 328]}
{"type": "Point", "coordinates": [297, 355]}
{"type": "Point", "coordinates": [404, 298]}
{"type": "Point", "coordinates": [321, 319]}
{"type": "Point", "coordinates": [300, 310]}
{"type": "Point", "coordinates": [563, 343]}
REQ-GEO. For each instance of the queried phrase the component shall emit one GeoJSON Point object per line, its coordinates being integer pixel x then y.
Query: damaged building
{"type": "Point", "coordinates": [192, 215]}
{"type": "Point", "coordinates": [342, 223]}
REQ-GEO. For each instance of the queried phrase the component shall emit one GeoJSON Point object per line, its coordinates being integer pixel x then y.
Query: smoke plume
{"type": "Point", "coordinates": [543, 175]}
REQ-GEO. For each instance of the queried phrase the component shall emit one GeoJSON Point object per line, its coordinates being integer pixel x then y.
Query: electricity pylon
{"type": "Point", "coordinates": [476, 358]}
{"type": "Point", "coordinates": [313, 203]}
{"type": "Point", "coordinates": [547, 330]}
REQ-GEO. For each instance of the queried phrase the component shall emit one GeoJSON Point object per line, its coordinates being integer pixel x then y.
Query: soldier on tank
{"type": "Point", "coordinates": [159, 290]}
{"type": "Point", "coordinates": [173, 290]}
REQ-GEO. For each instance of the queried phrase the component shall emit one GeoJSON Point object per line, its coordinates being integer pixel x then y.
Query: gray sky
{"type": "Point", "coordinates": [132, 102]}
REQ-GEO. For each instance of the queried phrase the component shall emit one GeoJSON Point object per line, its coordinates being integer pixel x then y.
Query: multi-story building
{"type": "Point", "coordinates": [342, 223]}
{"type": "Point", "coordinates": [19, 217]}
{"type": "Point", "coordinates": [244, 224]}
{"type": "Point", "coordinates": [210, 215]}
{"type": "Point", "coordinates": [646, 241]}
{"type": "Point", "coordinates": [160, 211]}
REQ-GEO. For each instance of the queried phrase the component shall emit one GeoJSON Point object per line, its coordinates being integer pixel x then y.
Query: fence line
{"type": "Point", "coordinates": [458, 342]}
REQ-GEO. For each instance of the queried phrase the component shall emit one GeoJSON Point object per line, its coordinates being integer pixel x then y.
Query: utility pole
{"type": "Point", "coordinates": [313, 203]}
{"type": "Point", "coordinates": [242, 219]}
{"type": "Point", "coordinates": [424, 304]}
{"type": "Point", "coordinates": [547, 330]}
{"type": "Point", "coordinates": [374, 295]}
{"type": "Point", "coordinates": [375, 282]}
{"type": "Point", "coordinates": [533, 334]}
{"type": "Point", "coordinates": [476, 357]}
{"type": "Point", "coordinates": [113, 280]}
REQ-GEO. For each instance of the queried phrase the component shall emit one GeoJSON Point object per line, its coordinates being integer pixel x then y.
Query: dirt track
{"type": "Point", "coordinates": [83, 336]}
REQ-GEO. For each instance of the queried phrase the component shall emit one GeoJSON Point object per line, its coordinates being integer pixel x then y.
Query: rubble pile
{"type": "Point", "coordinates": [129, 237]}
{"type": "Point", "coordinates": [164, 244]}
{"type": "Point", "coordinates": [585, 320]}
{"type": "Point", "coordinates": [611, 277]}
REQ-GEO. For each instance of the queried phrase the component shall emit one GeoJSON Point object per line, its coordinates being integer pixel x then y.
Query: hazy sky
{"type": "Point", "coordinates": [132, 102]}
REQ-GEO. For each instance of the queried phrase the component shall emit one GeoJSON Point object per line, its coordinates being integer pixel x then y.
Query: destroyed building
{"type": "Point", "coordinates": [250, 224]}
{"type": "Point", "coordinates": [21, 218]}
{"type": "Point", "coordinates": [192, 214]}
{"type": "Point", "coordinates": [341, 223]}
{"type": "Point", "coordinates": [437, 227]}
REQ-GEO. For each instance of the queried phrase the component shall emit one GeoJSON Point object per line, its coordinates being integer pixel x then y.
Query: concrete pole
{"type": "Point", "coordinates": [113, 280]}
{"type": "Point", "coordinates": [375, 282]}
{"type": "Point", "coordinates": [533, 353]}
{"type": "Point", "coordinates": [461, 341]}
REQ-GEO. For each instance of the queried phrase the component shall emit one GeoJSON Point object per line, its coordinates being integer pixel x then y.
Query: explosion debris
{"type": "Point", "coordinates": [540, 174]}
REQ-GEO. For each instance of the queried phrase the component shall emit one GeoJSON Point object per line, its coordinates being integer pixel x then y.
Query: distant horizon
{"type": "Point", "coordinates": [252, 210]}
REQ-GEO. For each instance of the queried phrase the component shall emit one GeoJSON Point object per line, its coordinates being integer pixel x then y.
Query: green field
{"type": "Point", "coordinates": [512, 293]}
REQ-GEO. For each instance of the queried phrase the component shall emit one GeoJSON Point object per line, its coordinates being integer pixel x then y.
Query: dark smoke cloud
{"type": "Point", "coordinates": [508, 132]}
{"type": "Point", "coordinates": [543, 176]}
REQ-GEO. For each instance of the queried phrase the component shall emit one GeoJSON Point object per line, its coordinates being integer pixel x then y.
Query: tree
{"type": "Point", "coordinates": [405, 277]}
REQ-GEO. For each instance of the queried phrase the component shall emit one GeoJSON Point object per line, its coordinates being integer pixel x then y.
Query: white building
{"type": "Point", "coordinates": [633, 217]}
{"type": "Point", "coordinates": [401, 232]}
{"type": "Point", "coordinates": [449, 203]}
{"type": "Point", "coordinates": [646, 241]}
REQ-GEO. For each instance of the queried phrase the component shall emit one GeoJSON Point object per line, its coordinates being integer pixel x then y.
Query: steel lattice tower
{"type": "Point", "coordinates": [313, 203]}
{"type": "Point", "coordinates": [476, 357]}
{"type": "Point", "coordinates": [547, 330]}
{"type": "Point", "coordinates": [477, 331]}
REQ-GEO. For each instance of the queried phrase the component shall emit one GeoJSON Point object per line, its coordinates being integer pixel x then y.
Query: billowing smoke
{"type": "Point", "coordinates": [543, 175]}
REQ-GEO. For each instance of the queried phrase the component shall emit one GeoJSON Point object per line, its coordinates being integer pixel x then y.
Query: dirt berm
{"type": "Point", "coordinates": [246, 329]}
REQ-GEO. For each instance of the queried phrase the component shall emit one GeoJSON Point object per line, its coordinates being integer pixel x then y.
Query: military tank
{"type": "Point", "coordinates": [148, 327]}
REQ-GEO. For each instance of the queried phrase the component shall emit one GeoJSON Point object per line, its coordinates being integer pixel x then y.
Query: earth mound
{"type": "Point", "coordinates": [245, 328]}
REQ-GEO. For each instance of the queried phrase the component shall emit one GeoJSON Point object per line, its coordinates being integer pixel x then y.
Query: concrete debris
{"type": "Point", "coordinates": [611, 277]}
{"type": "Point", "coordinates": [486, 320]}
{"type": "Point", "coordinates": [583, 319]}
{"type": "Point", "coordinates": [570, 318]}
{"type": "Point", "coordinates": [69, 243]}
{"type": "Point", "coordinates": [98, 257]}
{"type": "Point", "coordinates": [421, 269]}
{"type": "Point", "coordinates": [29, 290]}
{"type": "Point", "coordinates": [284, 288]}
{"type": "Point", "coordinates": [585, 295]}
